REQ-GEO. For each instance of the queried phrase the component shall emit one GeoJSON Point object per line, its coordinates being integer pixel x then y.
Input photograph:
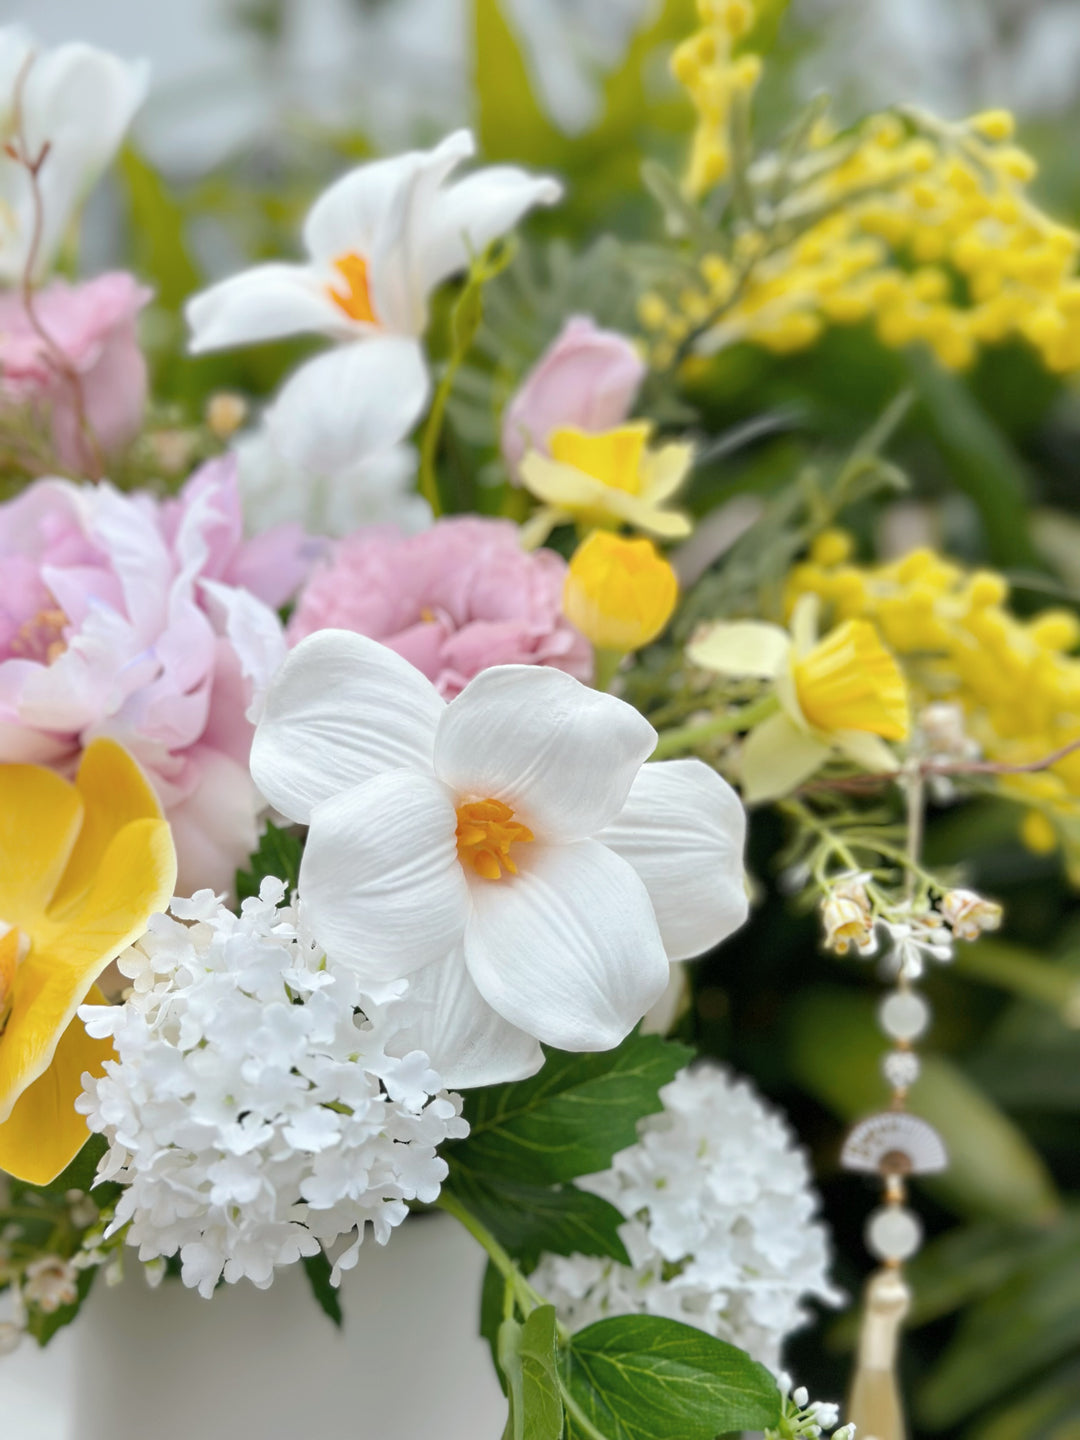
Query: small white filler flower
{"type": "Point", "coordinates": [508, 854]}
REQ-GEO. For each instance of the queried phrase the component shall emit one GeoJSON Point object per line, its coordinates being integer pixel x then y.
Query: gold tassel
{"type": "Point", "coordinates": [875, 1406]}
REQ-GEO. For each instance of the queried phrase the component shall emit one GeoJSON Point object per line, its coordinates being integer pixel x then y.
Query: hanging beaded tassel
{"type": "Point", "coordinates": [893, 1145]}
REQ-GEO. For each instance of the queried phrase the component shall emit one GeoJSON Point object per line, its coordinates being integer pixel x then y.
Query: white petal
{"type": "Point", "coordinates": [868, 751]}
{"type": "Point", "coordinates": [352, 402]}
{"type": "Point", "coordinates": [467, 1042]}
{"type": "Point", "coordinates": [741, 647]}
{"type": "Point", "coordinates": [683, 830]}
{"type": "Point", "coordinates": [776, 757]}
{"type": "Point", "coordinates": [341, 709]}
{"type": "Point", "coordinates": [561, 755]}
{"type": "Point", "coordinates": [464, 218]}
{"type": "Point", "coordinates": [254, 632]}
{"type": "Point", "coordinates": [568, 949]}
{"type": "Point", "coordinates": [264, 303]}
{"type": "Point", "coordinates": [380, 883]}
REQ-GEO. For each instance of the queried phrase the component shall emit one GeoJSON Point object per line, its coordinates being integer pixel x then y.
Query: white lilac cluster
{"type": "Point", "coordinates": [719, 1226]}
{"type": "Point", "coordinates": [253, 1112]}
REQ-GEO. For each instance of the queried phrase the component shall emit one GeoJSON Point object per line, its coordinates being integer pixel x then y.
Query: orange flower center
{"type": "Point", "coordinates": [42, 636]}
{"type": "Point", "coordinates": [355, 298]}
{"type": "Point", "coordinates": [486, 831]}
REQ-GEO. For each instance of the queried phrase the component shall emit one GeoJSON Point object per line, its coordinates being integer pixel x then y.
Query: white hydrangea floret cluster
{"type": "Point", "coordinates": [253, 1112]}
{"type": "Point", "coordinates": [720, 1224]}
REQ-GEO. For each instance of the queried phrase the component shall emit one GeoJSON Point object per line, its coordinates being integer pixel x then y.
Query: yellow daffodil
{"type": "Point", "coordinates": [844, 693]}
{"type": "Point", "coordinates": [82, 868]}
{"type": "Point", "coordinates": [619, 593]}
{"type": "Point", "coordinates": [606, 480]}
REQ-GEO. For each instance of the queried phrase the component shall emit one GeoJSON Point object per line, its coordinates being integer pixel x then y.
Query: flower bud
{"type": "Point", "coordinates": [969, 914]}
{"type": "Point", "coordinates": [619, 593]}
{"type": "Point", "coordinates": [225, 413]}
{"type": "Point", "coordinates": [847, 923]}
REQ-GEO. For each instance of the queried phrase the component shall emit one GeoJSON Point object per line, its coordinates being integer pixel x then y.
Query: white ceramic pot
{"type": "Point", "coordinates": [268, 1365]}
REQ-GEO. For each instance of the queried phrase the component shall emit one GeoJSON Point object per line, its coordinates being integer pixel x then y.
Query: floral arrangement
{"type": "Point", "coordinates": [375, 752]}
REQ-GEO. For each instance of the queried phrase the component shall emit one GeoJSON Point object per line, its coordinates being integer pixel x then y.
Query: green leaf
{"type": "Point", "coordinates": [492, 1310]}
{"type": "Point", "coordinates": [508, 1350]}
{"type": "Point", "coordinates": [640, 1377]}
{"type": "Point", "coordinates": [317, 1268]}
{"type": "Point", "coordinates": [569, 1119]}
{"type": "Point", "coordinates": [529, 1219]}
{"type": "Point", "coordinates": [278, 854]}
{"type": "Point", "coordinates": [156, 227]}
{"type": "Point", "coordinates": [541, 1401]}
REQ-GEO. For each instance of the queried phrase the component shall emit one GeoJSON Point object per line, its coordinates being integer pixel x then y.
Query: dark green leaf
{"type": "Point", "coordinates": [529, 1219]}
{"type": "Point", "coordinates": [569, 1119]}
{"type": "Point", "coordinates": [639, 1377]}
{"type": "Point", "coordinates": [278, 854]}
{"type": "Point", "coordinates": [542, 1402]}
{"type": "Point", "coordinates": [317, 1269]}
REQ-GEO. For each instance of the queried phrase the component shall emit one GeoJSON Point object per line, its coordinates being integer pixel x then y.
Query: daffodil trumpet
{"type": "Point", "coordinates": [83, 866]}
{"type": "Point", "coordinates": [841, 695]}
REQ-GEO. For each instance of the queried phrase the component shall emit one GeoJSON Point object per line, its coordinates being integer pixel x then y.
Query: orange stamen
{"type": "Point", "coordinates": [486, 830]}
{"type": "Point", "coordinates": [355, 299]}
{"type": "Point", "coordinates": [42, 636]}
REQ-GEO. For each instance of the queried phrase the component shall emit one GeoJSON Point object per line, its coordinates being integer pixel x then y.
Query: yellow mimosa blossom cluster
{"type": "Point", "coordinates": [921, 226]}
{"type": "Point", "coordinates": [715, 77]}
{"type": "Point", "coordinates": [1016, 680]}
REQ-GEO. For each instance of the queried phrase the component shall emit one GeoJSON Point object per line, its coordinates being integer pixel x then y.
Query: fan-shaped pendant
{"type": "Point", "coordinates": [894, 1143]}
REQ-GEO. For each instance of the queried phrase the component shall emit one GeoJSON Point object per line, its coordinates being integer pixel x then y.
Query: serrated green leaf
{"type": "Point", "coordinates": [317, 1268]}
{"type": "Point", "coordinates": [569, 1119]}
{"type": "Point", "coordinates": [640, 1377]}
{"type": "Point", "coordinates": [529, 1219]}
{"type": "Point", "coordinates": [278, 854]}
{"type": "Point", "coordinates": [541, 1400]}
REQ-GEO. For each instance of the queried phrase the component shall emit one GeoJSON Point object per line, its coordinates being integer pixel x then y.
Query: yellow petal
{"type": "Point", "coordinates": [613, 457]}
{"type": "Point", "coordinates": [740, 647]}
{"type": "Point", "coordinates": [560, 485]}
{"type": "Point", "coordinates": [114, 792]}
{"type": "Point", "coordinates": [664, 470]}
{"type": "Point", "coordinates": [44, 1132]}
{"type": "Point", "coordinates": [849, 681]}
{"type": "Point", "coordinates": [777, 757]}
{"type": "Point", "coordinates": [134, 879]}
{"type": "Point", "coordinates": [40, 815]}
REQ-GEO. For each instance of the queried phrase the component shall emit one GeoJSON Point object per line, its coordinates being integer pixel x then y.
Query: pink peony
{"type": "Point", "coordinates": [452, 600]}
{"type": "Point", "coordinates": [127, 616]}
{"type": "Point", "coordinates": [587, 378]}
{"type": "Point", "coordinates": [94, 326]}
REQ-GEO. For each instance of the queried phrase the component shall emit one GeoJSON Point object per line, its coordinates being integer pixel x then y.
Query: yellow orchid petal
{"type": "Point", "coordinates": [612, 457]}
{"type": "Point", "coordinates": [741, 647]}
{"type": "Point", "coordinates": [664, 470]}
{"type": "Point", "coordinates": [40, 815]}
{"type": "Point", "coordinates": [136, 876]}
{"type": "Point", "coordinates": [114, 792]}
{"type": "Point", "coordinates": [44, 1132]}
{"type": "Point", "coordinates": [849, 681]}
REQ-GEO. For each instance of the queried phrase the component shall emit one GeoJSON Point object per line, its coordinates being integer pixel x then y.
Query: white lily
{"type": "Point", "coordinates": [331, 451]}
{"type": "Point", "coordinates": [842, 694]}
{"type": "Point", "coordinates": [509, 853]}
{"type": "Point", "coordinates": [76, 100]}
{"type": "Point", "coordinates": [379, 241]}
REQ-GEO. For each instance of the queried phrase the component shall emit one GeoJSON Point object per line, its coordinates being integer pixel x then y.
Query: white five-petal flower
{"type": "Point", "coordinates": [74, 104]}
{"type": "Point", "coordinates": [509, 853]}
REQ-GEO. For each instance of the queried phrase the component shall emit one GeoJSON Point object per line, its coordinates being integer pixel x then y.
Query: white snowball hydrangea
{"type": "Point", "coordinates": [253, 1112]}
{"type": "Point", "coordinates": [719, 1226]}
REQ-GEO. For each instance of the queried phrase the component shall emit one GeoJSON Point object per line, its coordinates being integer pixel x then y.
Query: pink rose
{"type": "Point", "coordinates": [122, 615]}
{"type": "Point", "coordinates": [587, 378]}
{"type": "Point", "coordinates": [453, 600]}
{"type": "Point", "coordinates": [93, 325]}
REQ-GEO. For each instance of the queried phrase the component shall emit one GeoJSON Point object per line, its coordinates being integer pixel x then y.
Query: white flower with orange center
{"type": "Point", "coordinates": [379, 241]}
{"type": "Point", "coordinates": [509, 854]}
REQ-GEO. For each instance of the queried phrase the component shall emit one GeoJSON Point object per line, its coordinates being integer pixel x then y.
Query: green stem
{"type": "Point", "coordinates": [527, 1298]}
{"type": "Point", "coordinates": [429, 444]}
{"type": "Point", "coordinates": [580, 1419]}
{"type": "Point", "coordinates": [605, 667]}
{"type": "Point", "coordinates": [690, 737]}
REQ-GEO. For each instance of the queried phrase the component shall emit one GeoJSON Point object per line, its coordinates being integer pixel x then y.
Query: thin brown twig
{"type": "Point", "coordinates": [928, 768]}
{"type": "Point", "coordinates": [91, 457]}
